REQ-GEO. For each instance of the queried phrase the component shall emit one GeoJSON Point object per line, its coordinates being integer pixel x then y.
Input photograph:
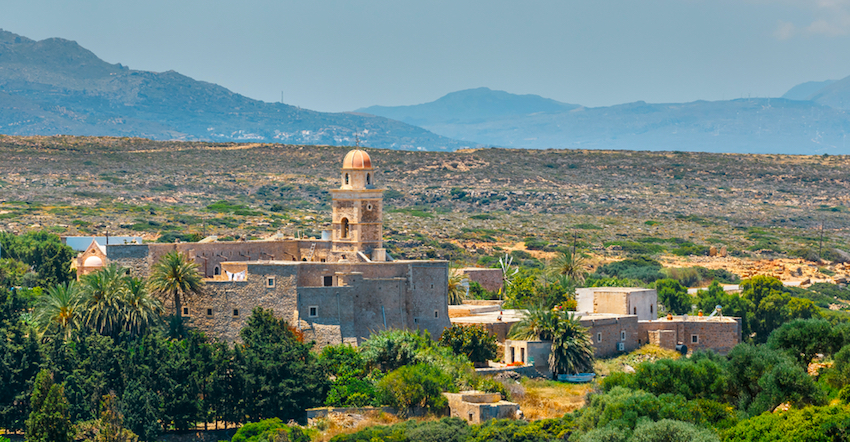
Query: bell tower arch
{"type": "Point", "coordinates": [358, 211]}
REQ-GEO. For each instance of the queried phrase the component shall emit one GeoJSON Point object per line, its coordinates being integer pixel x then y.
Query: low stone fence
{"type": "Point", "coordinates": [524, 370]}
{"type": "Point", "coordinates": [314, 413]}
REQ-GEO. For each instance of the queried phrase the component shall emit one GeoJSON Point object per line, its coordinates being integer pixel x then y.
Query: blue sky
{"type": "Point", "coordinates": [336, 55]}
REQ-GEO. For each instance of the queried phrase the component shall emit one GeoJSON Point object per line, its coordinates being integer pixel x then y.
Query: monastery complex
{"type": "Point", "coordinates": [344, 286]}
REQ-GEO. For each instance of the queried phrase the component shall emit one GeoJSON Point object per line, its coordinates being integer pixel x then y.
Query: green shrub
{"type": "Point", "coordinates": [391, 349]}
{"type": "Point", "coordinates": [473, 341]}
{"type": "Point", "coordinates": [695, 378]}
{"type": "Point", "coordinates": [269, 430]}
{"type": "Point", "coordinates": [673, 296]}
{"type": "Point", "coordinates": [413, 387]}
{"type": "Point", "coordinates": [809, 424]}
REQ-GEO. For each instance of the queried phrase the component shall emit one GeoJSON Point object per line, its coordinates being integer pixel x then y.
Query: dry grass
{"type": "Point", "coordinates": [604, 367]}
{"type": "Point", "coordinates": [338, 423]}
{"type": "Point", "coordinates": [544, 399]}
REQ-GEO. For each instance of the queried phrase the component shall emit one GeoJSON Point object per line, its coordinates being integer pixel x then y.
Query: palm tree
{"type": "Point", "coordinates": [457, 288]}
{"type": "Point", "coordinates": [142, 311]}
{"type": "Point", "coordinates": [58, 310]}
{"type": "Point", "coordinates": [105, 292]}
{"type": "Point", "coordinates": [569, 264]}
{"type": "Point", "coordinates": [177, 277]}
{"type": "Point", "coordinates": [538, 323]}
{"type": "Point", "coordinates": [572, 349]}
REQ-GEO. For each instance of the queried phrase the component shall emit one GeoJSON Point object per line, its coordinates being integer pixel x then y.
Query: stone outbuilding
{"type": "Point", "coordinates": [476, 407]}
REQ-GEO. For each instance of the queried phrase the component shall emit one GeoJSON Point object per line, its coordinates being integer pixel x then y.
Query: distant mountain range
{"type": "Point", "coordinates": [55, 86]}
{"type": "Point", "coordinates": [811, 118]}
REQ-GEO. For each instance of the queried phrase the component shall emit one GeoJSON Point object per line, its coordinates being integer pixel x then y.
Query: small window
{"type": "Point", "coordinates": [328, 281]}
{"type": "Point", "coordinates": [436, 314]}
{"type": "Point", "coordinates": [432, 285]}
{"type": "Point", "coordinates": [209, 312]}
{"type": "Point", "coordinates": [694, 339]}
{"type": "Point", "coordinates": [127, 271]}
{"type": "Point", "coordinates": [622, 335]}
{"type": "Point", "coordinates": [635, 310]}
{"type": "Point", "coordinates": [368, 207]}
{"type": "Point", "coordinates": [599, 337]}
{"type": "Point", "coordinates": [217, 271]}
{"type": "Point", "coordinates": [236, 312]}
{"type": "Point", "coordinates": [185, 311]}
{"type": "Point", "coordinates": [650, 309]}
{"type": "Point", "coordinates": [270, 282]}
{"type": "Point", "coordinates": [314, 311]}
{"type": "Point", "coordinates": [322, 260]}
{"type": "Point", "coordinates": [346, 178]}
{"type": "Point", "coordinates": [369, 182]}
{"type": "Point", "coordinates": [416, 320]}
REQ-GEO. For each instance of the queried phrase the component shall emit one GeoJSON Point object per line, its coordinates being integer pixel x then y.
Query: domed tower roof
{"type": "Point", "coordinates": [357, 159]}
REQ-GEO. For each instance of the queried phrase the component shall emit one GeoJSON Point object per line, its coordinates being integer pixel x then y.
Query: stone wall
{"type": "Point", "coordinates": [490, 279]}
{"type": "Point", "coordinates": [231, 302]}
{"type": "Point", "coordinates": [607, 333]}
{"type": "Point", "coordinates": [718, 334]}
{"type": "Point", "coordinates": [362, 298]}
{"type": "Point", "coordinates": [663, 338]}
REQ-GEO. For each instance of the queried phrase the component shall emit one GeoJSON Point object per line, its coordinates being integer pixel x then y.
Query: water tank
{"type": "Point", "coordinates": [682, 349]}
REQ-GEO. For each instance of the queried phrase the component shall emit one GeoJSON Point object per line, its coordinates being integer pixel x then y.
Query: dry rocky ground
{"type": "Point", "coordinates": [462, 205]}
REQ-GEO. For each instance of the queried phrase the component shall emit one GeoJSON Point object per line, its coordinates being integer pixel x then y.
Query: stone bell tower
{"type": "Point", "coordinates": [358, 211]}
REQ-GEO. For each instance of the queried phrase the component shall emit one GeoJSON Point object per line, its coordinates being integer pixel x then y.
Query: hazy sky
{"type": "Point", "coordinates": [335, 55]}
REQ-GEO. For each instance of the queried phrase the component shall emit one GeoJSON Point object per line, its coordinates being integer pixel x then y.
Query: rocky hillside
{"type": "Point", "coordinates": [55, 86]}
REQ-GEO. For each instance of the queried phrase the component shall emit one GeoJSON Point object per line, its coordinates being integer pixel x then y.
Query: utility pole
{"type": "Point", "coordinates": [820, 246]}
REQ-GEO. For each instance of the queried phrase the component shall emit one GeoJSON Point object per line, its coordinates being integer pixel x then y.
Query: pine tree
{"type": "Point", "coordinates": [49, 420]}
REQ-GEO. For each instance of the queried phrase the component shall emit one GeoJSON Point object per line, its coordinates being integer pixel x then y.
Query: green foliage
{"type": "Point", "coordinates": [472, 341]}
{"type": "Point", "coordinates": [508, 430]}
{"type": "Point", "coordinates": [109, 427]}
{"type": "Point", "coordinates": [414, 387]}
{"type": "Point", "coordinates": [282, 376]}
{"type": "Point", "coordinates": [665, 430]}
{"type": "Point", "coordinates": [351, 387]}
{"type": "Point", "coordinates": [269, 430]}
{"type": "Point", "coordinates": [640, 268]}
{"type": "Point", "coordinates": [391, 349]}
{"type": "Point", "coordinates": [761, 378]}
{"type": "Point", "coordinates": [456, 289]}
{"type": "Point", "coordinates": [802, 339]}
{"type": "Point", "coordinates": [771, 306]}
{"type": "Point", "coordinates": [624, 409]}
{"type": "Point", "coordinates": [12, 273]}
{"type": "Point", "coordinates": [49, 420]}
{"type": "Point", "coordinates": [673, 296]}
{"type": "Point", "coordinates": [44, 252]}
{"type": "Point", "coordinates": [809, 424]}
{"type": "Point", "coordinates": [176, 276]}
{"type": "Point", "coordinates": [20, 358]}
{"type": "Point", "coordinates": [700, 377]}
{"type": "Point", "coordinates": [839, 374]}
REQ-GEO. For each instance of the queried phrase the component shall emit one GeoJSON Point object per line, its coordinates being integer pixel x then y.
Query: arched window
{"type": "Point", "coordinates": [217, 271]}
{"type": "Point", "coordinates": [346, 179]}
{"type": "Point", "coordinates": [344, 232]}
{"type": "Point", "coordinates": [368, 179]}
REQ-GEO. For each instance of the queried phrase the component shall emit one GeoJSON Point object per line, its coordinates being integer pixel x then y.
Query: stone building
{"type": "Point", "coordinates": [336, 289]}
{"type": "Point", "coordinates": [618, 320]}
{"type": "Point", "coordinates": [476, 407]}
